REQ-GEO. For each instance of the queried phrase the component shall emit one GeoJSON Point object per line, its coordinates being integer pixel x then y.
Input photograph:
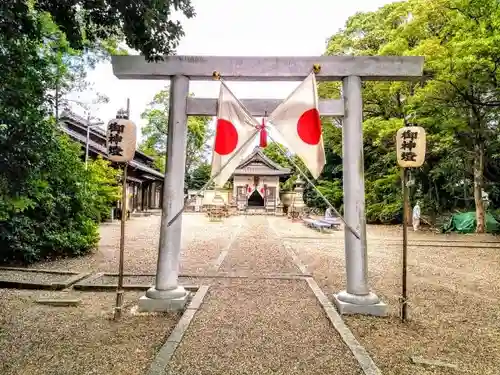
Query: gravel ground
{"type": "Point", "coordinates": [202, 242]}
{"type": "Point", "coordinates": [33, 277]}
{"type": "Point", "coordinates": [261, 326]}
{"type": "Point", "coordinates": [454, 298]}
{"type": "Point", "coordinates": [83, 340]}
{"type": "Point", "coordinates": [256, 249]}
{"type": "Point", "coordinates": [146, 280]}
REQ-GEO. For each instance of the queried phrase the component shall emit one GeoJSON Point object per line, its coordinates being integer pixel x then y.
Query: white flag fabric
{"type": "Point", "coordinates": [297, 120]}
{"type": "Point", "coordinates": [235, 126]}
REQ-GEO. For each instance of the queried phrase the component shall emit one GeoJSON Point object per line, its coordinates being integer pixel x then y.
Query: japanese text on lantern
{"type": "Point", "coordinates": [410, 143]}
{"type": "Point", "coordinates": [121, 140]}
{"type": "Point", "coordinates": [115, 138]}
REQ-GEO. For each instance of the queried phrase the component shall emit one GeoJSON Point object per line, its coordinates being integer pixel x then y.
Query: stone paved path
{"type": "Point", "coordinates": [261, 326]}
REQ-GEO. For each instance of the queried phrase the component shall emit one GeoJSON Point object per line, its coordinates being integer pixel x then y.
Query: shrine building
{"type": "Point", "coordinates": [144, 181]}
{"type": "Point", "coordinates": [255, 185]}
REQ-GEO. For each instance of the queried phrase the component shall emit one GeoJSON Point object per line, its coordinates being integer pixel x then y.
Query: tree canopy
{"type": "Point", "coordinates": [155, 135]}
{"type": "Point", "coordinates": [145, 25]}
{"type": "Point", "coordinates": [457, 102]}
{"type": "Point", "coordinates": [50, 204]}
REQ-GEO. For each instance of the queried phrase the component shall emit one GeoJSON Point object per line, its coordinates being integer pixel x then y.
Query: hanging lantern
{"type": "Point", "coordinates": [121, 138]}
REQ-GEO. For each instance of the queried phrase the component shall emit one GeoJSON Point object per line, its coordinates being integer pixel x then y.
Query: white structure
{"type": "Point", "coordinates": [256, 182]}
{"type": "Point", "coordinates": [207, 198]}
{"type": "Point", "coordinates": [256, 185]}
{"type": "Point", "coordinates": [167, 294]}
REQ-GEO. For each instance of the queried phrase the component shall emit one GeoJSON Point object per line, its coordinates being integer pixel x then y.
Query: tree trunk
{"type": "Point", "coordinates": [478, 187]}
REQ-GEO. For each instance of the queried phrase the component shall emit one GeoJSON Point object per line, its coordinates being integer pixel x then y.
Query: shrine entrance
{"type": "Point", "coordinates": [357, 298]}
{"type": "Point", "coordinates": [255, 200]}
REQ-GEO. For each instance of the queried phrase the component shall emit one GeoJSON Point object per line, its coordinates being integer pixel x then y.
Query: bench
{"type": "Point", "coordinates": [316, 224]}
{"type": "Point", "coordinates": [334, 222]}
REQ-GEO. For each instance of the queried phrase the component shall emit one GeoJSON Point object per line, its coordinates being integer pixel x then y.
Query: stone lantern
{"type": "Point", "coordinates": [298, 204]}
{"type": "Point", "coordinates": [218, 200]}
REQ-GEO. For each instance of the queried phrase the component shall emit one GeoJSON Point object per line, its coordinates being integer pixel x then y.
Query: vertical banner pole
{"type": "Point", "coordinates": [404, 304]}
{"type": "Point", "coordinates": [119, 290]}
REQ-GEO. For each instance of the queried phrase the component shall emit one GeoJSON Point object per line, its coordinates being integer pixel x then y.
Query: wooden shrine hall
{"type": "Point", "coordinates": [256, 182]}
{"type": "Point", "coordinates": [255, 187]}
{"type": "Point", "coordinates": [144, 182]}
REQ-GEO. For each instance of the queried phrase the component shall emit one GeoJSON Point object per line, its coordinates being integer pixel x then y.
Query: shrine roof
{"type": "Point", "coordinates": [258, 164]}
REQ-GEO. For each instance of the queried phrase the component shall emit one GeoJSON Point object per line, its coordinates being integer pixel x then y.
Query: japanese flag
{"type": "Point", "coordinates": [235, 126]}
{"type": "Point", "coordinates": [297, 120]}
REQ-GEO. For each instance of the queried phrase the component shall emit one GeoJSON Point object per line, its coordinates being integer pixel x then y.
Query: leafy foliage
{"type": "Point", "coordinates": [146, 25]}
{"type": "Point", "coordinates": [457, 103]}
{"type": "Point", "coordinates": [102, 187]}
{"type": "Point", "coordinates": [199, 176]}
{"type": "Point", "coordinates": [155, 134]}
{"type": "Point", "coordinates": [49, 204]}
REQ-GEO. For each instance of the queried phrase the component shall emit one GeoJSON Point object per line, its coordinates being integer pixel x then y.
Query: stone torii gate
{"type": "Point", "coordinates": [167, 294]}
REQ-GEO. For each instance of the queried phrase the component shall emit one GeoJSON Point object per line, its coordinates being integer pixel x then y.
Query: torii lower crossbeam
{"type": "Point", "coordinates": [167, 294]}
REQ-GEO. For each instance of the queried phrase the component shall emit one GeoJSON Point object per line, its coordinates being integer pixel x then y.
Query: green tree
{"type": "Point", "coordinates": [456, 102]}
{"type": "Point", "coordinates": [48, 202]}
{"type": "Point", "coordinates": [103, 188]}
{"type": "Point", "coordinates": [155, 134]}
{"type": "Point", "coordinates": [199, 176]}
{"type": "Point", "coordinates": [274, 151]}
{"type": "Point", "coordinates": [145, 25]}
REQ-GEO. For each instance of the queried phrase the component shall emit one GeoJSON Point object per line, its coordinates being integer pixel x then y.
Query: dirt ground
{"type": "Point", "coordinates": [260, 327]}
{"type": "Point", "coordinates": [202, 242]}
{"type": "Point", "coordinates": [454, 291]}
{"type": "Point", "coordinates": [82, 340]}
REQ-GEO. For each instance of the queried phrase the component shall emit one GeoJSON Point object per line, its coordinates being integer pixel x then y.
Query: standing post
{"type": "Point", "coordinates": [167, 294]}
{"type": "Point", "coordinates": [119, 289]}
{"type": "Point", "coordinates": [410, 150]}
{"type": "Point", "coordinates": [121, 142]}
{"type": "Point", "coordinates": [357, 298]}
{"type": "Point", "coordinates": [403, 299]}
{"type": "Point", "coordinates": [123, 220]}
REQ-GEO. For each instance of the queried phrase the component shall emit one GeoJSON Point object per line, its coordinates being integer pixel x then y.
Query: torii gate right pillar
{"type": "Point", "coordinates": [357, 298]}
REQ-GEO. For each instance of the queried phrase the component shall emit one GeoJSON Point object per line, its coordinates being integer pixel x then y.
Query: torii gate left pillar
{"type": "Point", "coordinates": [357, 298]}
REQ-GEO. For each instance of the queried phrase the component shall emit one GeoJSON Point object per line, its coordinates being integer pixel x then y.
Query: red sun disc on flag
{"type": "Point", "coordinates": [309, 127]}
{"type": "Point", "coordinates": [226, 138]}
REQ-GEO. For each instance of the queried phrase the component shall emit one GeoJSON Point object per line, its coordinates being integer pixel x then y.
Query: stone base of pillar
{"type": "Point", "coordinates": [163, 300]}
{"type": "Point", "coordinates": [370, 304]}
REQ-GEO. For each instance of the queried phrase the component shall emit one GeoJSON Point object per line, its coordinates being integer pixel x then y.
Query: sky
{"type": "Point", "coordinates": [235, 28]}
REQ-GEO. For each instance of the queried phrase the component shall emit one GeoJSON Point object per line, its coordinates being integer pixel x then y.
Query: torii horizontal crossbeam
{"type": "Point", "coordinates": [259, 107]}
{"type": "Point", "coordinates": [333, 68]}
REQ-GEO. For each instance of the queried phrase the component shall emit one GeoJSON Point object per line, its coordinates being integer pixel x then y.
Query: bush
{"type": "Point", "coordinates": [56, 213]}
{"type": "Point", "coordinates": [49, 203]}
{"type": "Point", "coordinates": [102, 188]}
